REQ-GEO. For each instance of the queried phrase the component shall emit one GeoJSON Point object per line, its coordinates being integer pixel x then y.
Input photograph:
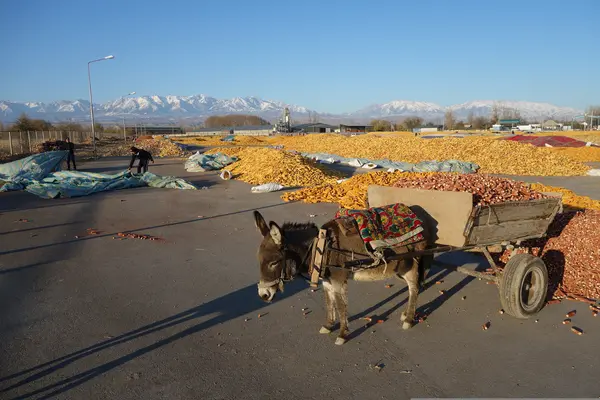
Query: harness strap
{"type": "Point", "coordinates": [266, 285]}
{"type": "Point", "coordinates": [282, 277]}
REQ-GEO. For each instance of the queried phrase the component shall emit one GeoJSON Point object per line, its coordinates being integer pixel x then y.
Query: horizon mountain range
{"type": "Point", "coordinates": [193, 109]}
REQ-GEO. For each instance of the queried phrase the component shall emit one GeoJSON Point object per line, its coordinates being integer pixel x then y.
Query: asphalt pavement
{"type": "Point", "coordinates": [90, 316]}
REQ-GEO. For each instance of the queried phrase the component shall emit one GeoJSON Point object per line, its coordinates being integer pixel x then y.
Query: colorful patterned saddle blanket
{"type": "Point", "coordinates": [385, 226]}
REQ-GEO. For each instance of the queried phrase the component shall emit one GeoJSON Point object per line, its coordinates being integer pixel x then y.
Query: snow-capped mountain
{"type": "Point", "coordinates": [166, 107]}
{"type": "Point", "coordinates": [527, 109]}
{"type": "Point", "coordinates": [198, 107]}
{"type": "Point", "coordinates": [400, 108]}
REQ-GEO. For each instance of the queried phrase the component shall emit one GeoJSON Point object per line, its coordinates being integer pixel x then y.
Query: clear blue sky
{"type": "Point", "coordinates": [332, 56]}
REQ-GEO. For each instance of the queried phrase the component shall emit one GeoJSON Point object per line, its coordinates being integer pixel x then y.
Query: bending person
{"type": "Point", "coordinates": [143, 156]}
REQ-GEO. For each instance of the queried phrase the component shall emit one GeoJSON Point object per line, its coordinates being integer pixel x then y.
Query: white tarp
{"type": "Point", "coordinates": [423, 166]}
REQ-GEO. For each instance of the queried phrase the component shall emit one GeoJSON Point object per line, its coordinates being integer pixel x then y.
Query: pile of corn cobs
{"type": "Point", "coordinates": [486, 189]}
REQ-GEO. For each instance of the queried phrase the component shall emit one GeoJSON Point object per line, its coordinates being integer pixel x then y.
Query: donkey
{"type": "Point", "coordinates": [285, 252]}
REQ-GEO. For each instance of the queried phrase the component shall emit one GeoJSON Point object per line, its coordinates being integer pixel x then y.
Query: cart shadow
{"type": "Point", "coordinates": [427, 309]}
{"type": "Point", "coordinates": [554, 259]}
{"type": "Point", "coordinates": [189, 322]}
{"type": "Point", "coordinates": [555, 262]}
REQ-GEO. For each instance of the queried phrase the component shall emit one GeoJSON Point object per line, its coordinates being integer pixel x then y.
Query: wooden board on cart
{"type": "Point", "coordinates": [511, 221]}
{"type": "Point", "coordinates": [457, 223]}
{"type": "Point", "coordinates": [447, 212]}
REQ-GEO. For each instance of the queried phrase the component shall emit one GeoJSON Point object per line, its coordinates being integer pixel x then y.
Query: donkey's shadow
{"type": "Point", "coordinates": [425, 310]}
{"type": "Point", "coordinates": [221, 310]}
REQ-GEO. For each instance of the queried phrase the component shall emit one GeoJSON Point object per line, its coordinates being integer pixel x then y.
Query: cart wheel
{"type": "Point", "coordinates": [524, 285]}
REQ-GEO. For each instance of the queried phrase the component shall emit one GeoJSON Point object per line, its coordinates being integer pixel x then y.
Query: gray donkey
{"type": "Point", "coordinates": [285, 252]}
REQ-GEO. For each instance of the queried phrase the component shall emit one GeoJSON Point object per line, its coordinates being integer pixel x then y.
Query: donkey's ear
{"type": "Point", "coordinates": [261, 224]}
{"type": "Point", "coordinates": [276, 234]}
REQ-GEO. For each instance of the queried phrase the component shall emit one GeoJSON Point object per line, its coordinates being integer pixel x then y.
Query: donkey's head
{"type": "Point", "coordinates": [277, 262]}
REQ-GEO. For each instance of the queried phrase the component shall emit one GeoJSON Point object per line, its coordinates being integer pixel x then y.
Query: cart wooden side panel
{"type": "Point", "coordinates": [509, 222]}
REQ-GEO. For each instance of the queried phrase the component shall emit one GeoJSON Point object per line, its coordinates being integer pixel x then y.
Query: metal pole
{"type": "Point", "coordinates": [124, 133]}
{"type": "Point", "coordinates": [21, 141]}
{"type": "Point", "coordinates": [10, 143]}
{"type": "Point", "coordinates": [92, 110]}
{"type": "Point", "coordinates": [29, 140]}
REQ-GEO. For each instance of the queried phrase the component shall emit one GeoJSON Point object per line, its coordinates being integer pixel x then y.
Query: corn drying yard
{"type": "Point", "coordinates": [148, 289]}
{"type": "Point", "coordinates": [278, 159]}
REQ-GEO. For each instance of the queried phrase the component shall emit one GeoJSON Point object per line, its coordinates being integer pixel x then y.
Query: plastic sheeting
{"type": "Point", "coordinates": [36, 174]}
{"type": "Point", "coordinates": [267, 187]}
{"type": "Point", "coordinates": [208, 162]}
{"type": "Point", "coordinates": [593, 172]}
{"type": "Point", "coordinates": [76, 184]}
{"type": "Point", "coordinates": [32, 168]}
{"type": "Point", "coordinates": [424, 166]}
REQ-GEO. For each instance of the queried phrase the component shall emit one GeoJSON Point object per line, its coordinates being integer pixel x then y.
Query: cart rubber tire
{"type": "Point", "coordinates": [513, 284]}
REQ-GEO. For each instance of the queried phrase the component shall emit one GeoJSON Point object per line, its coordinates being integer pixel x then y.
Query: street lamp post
{"type": "Point", "coordinates": [92, 100]}
{"type": "Point", "coordinates": [124, 132]}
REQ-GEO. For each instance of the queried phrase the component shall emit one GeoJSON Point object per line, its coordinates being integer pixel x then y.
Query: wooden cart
{"type": "Point", "coordinates": [458, 226]}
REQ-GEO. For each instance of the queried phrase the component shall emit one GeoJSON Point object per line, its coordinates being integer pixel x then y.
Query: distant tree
{"type": "Point", "coordinates": [412, 123]}
{"type": "Point", "coordinates": [114, 129]}
{"type": "Point", "coordinates": [41, 125]}
{"type": "Point", "coordinates": [23, 123]}
{"type": "Point", "coordinates": [481, 123]}
{"type": "Point", "coordinates": [470, 118]}
{"type": "Point", "coordinates": [449, 119]}
{"type": "Point", "coordinates": [592, 111]}
{"type": "Point", "coordinates": [430, 125]}
{"type": "Point", "coordinates": [495, 113]}
{"type": "Point", "coordinates": [222, 121]}
{"type": "Point", "coordinates": [313, 117]}
{"type": "Point", "coordinates": [1, 126]}
{"type": "Point", "coordinates": [71, 127]}
{"type": "Point", "coordinates": [510, 113]}
{"type": "Point", "coordinates": [459, 125]}
{"type": "Point", "coordinates": [98, 127]}
{"type": "Point", "coordinates": [380, 125]}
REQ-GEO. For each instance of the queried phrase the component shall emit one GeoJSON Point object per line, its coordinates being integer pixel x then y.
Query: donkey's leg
{"type": "Point", "coordinates": [340, 289]}
{"type": "Point", "coordinates": [330, 305]}
{"type": "Point", "coordinates": [412, 280]}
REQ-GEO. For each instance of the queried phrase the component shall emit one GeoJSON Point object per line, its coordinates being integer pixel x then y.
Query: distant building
{"type": "Point", "coordinates": [424, 129]}
{"type": "Point", "coordinates": [255, 130]}
{"type": "Point", "coordinates": [355, 128]}
{"type": "Point", "coordinates": [315, 127]}
{"type": "Point", "coordinates": [155, 130]}
{"type": "Point", "coordinates": [551, 125]}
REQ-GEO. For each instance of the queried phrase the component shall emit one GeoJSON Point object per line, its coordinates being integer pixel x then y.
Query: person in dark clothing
{"type": "Point", "coordinates": [143, 156]}
{"type": "Point", "coordinates": [71, 156]}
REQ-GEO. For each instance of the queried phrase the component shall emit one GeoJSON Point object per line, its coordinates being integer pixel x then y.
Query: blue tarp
{"type": "Point", "coordinates": [229, 138]}
{"type": "Point", "coordinates": [423, 166]}
{"type": "Point", "coordinates": [35, 175]}
{"type": "Point", "coordinates": [32, 168]}
{"type": "Point", "coordinates": [208, 162]}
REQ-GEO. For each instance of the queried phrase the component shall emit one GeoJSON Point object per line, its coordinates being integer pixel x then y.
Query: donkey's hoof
{"type": "Point", "coordinates": [340, 341]}
{"type": "Point", "coordinates": [407, 325]}
{"type": "Point", "coordinates": [324, 330]}
{"type": "Point", "coordinates": [403, 317]}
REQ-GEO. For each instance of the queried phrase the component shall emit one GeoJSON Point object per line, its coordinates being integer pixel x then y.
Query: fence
{"type": "Point", "coordinates": [26, 142]}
